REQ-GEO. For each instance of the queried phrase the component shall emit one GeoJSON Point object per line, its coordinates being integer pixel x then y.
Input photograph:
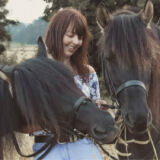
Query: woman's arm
{"type": "Point", "coordinates": [93, 84]}
{"type": "Point", "coordinates": [94, 88]}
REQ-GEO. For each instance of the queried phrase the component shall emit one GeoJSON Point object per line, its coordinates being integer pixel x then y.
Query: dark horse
{"type": "Point", "coordinates": [41, 92]}
{"type": "Point", "coordinates": [131, 67]}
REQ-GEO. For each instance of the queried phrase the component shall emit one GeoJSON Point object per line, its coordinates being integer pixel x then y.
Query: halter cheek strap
{"type": "Point", "coordinates": [82, 100]}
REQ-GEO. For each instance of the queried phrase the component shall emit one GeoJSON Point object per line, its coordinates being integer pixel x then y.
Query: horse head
{"type": "Point", "coordinates": [45, 88]}
{"type": "Point", "coordinates": [127, 45]}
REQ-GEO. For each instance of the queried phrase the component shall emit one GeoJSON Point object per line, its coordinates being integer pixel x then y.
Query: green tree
{"type": "Point", "coordinates": [30, 32]}
{"type": "Point", "coordinates": [53, 6]}
{"type": "Point", "coordinates": [4, 36]}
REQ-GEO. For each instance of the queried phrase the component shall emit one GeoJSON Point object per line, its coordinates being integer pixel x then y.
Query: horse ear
{"type": "Point", "coordinates": [6, 72]}
{"type": "Point", "coordinates": [147, 13]}
{"type": "Point", "coordinates": [42, 52]}
{"type": "Point", "coordinates": [102, 16]}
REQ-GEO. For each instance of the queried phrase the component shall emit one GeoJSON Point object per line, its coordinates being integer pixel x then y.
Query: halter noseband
{"type": "Point", "coordinates": [129, 84]}
{"type": "Point", "coordinates": [112, 90]}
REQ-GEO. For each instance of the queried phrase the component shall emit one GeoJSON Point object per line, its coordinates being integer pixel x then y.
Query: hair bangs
{"type": "Point", "coordinates": [126, 35]}
{"type": "Point", "coordinates": [78, 27]}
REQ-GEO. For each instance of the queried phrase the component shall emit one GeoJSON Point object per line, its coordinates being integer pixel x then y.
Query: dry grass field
{"type": "Point", "coordinates": [16, 54]}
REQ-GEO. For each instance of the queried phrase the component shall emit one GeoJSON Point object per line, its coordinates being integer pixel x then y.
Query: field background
{"type": "Point", "coordinates": [16, 53]}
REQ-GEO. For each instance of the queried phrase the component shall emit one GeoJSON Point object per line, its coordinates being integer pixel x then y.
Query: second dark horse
{"type": "Point", "coordinates": [130, 57]}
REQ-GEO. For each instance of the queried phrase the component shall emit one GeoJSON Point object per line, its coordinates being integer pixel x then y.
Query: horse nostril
{"type": "Point", "coordinates": [137, 123]}
{"type": "Point", "coordinates": [99, 131]}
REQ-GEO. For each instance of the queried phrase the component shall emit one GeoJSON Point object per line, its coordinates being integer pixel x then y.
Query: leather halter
{"type": "Point", "coordinates": [79, 102]}
{"type": "Point", "coordinates": [129, 84]}
{"type": "Point", "coordinates": [115, 91]}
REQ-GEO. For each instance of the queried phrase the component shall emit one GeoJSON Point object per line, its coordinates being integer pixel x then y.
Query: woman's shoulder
{"type": "Point", "coordinates": [91, 69]}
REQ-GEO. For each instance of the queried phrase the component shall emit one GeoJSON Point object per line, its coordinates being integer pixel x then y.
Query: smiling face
{"type": "Point", "coordinates": [71, 42]}
{"type": "Point", "coordinates": [67, 39]}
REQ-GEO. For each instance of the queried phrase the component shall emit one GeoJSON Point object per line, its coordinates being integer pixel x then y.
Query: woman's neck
{"type": "Point", "coordinates": [68, 64]}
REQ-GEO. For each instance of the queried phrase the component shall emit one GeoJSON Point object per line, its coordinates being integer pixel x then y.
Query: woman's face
{"type": "Point", "coordinates": [71, 42]}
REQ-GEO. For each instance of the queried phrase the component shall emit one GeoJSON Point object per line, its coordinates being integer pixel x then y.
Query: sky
{"type": "Point", "coordinates": [25, 10]}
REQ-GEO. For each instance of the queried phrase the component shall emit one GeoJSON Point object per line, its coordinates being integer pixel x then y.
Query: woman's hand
{"type": "Point", "coordinates": [101, 104]}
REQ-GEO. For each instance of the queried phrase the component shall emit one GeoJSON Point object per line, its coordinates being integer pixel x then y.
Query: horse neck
{"type": "Point", "coordinates": [154, 92]}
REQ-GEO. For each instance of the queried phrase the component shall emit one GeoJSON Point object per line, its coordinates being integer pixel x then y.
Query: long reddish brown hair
{"type": "Point", "coordinates": [55, 33]}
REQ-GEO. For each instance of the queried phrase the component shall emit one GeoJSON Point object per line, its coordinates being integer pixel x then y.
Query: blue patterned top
{"type": "Point", "coordinates": [90, 88]}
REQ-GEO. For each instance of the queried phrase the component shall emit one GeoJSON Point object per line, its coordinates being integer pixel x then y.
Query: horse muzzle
{"type": "Point", "coordinates": [137, 123]}
{"type": "Point", "coordinates": [105, 136]}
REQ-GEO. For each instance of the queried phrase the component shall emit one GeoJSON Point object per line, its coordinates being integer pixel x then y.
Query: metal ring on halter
{"type": "Point", "coordinates": [130, 83]}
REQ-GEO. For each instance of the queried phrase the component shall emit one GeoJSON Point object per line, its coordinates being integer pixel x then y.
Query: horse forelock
{"type": "Point", "coordinates": [126, 35]}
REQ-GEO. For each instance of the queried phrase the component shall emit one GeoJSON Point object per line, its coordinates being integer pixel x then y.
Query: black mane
{"type": "Point", "coordinates": [36, 80]}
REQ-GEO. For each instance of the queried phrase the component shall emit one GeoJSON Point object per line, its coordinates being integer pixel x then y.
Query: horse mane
{"type": "Point", "coordinates": [7, 110]}
{"type": "Point", "coordinates": [37, 84]}
{"type": "Point", "coordinates": [9, 119]}
{"type": "Point", "coordinates": [154, 91]}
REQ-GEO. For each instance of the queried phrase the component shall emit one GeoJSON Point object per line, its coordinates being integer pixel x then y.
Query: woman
{"type": "Point", "coordinates": [67, 39]}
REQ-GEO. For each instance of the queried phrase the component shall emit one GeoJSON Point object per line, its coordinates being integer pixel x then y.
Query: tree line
{"type": "Point", "coordinates": [4, 35]}
{"type": "Point", "coordinates": [27, 34]}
